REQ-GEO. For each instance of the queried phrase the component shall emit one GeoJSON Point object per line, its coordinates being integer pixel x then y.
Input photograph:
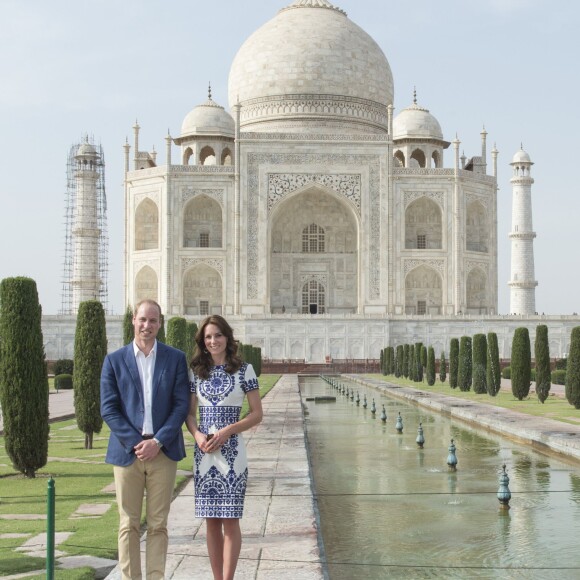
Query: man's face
{"type": "Point", "coordinates": [146, 322]}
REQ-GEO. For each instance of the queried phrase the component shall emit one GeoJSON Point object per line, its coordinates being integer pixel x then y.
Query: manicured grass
{"type": "Point", "coordinates": [556, 408]}
{"type": "Point", "coordinates": [81, 477]}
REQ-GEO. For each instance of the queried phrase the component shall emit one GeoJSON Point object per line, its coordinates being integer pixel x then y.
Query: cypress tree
{"type": "Point", "coordinates": [418, 364]}
{"type": "Point", "coordinates": [465, 371]}
{"type": "Point", "coordinates": [453, 362]}
{"type": "Point", "coordinates": [393, 360]}
{"type": "Point", "coordinates": [542, 356]}
{"type": "Point", "coordinates": [493, 375]}
{"type": "Point", "coordinates": [424, 357]}
{"type": "Point", "coordinates": [573, 369]}
{"type": "Point", "coordinates": [479, 364]}
{"type": "Point", "coordinates": [399, 360]}
{"type": "Point", "coordinates": [128, 328]}
{"type": "Point", "coordinates": [521, 364]}
{"type": "Point", "coordinates": [258, 366]}
{"type": "Point", "coordinates": [23, 376]}
{"type": "Point", "coordinates": [442, 367]}
{"type": "Point", "coordinates": [191, 332]}
{"type": "Point", "coordinates": [412, 364]}
{"type": "Point", "coordinates": [89, 353]}
{"type": "Point", "coordinates": [177, 333]}
{"type": "Point", "coordinates": [382, 361]}
{"type": "Point", "coordinates": [161, 333]}
{"type": "Point", "coordinates": [406, 356]}
{"type": "Point", "coordinates": [431, 366]}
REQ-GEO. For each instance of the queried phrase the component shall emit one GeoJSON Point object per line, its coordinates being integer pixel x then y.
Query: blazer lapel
{"type": "Point", "coordinates": [132, 366]}
{"type": "Point", "coordinates": [160, 362]}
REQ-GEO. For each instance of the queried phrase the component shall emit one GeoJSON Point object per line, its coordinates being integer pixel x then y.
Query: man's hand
{"type": "Point", "coordinates": [146, 450]}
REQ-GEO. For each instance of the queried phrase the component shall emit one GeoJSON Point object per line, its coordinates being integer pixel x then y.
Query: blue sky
{"type": "Point", "coordinates": [73, 68]}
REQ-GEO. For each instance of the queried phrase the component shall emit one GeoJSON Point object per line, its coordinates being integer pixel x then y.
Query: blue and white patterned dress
{"type": "Point", "coordinates": [221, 477]}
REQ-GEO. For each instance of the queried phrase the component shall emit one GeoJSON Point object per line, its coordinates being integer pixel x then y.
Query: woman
{"type": "Point", "coordinates": [219, 382]}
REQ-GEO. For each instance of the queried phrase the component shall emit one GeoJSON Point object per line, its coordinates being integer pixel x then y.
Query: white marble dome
{"type": "Point", "coordinates": [86, 149]}
{"type": "Point", "coordinates": [311, 63]}
{"type": "Point", "coordinates": [521, 157]}
{"type": "Point", "coordinates": [416, 122]}
{"type": "Point", "coordinates": [208, 118]}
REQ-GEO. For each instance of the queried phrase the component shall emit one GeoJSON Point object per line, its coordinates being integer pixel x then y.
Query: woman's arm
{"type": "Point", "coordinates": [191, 422]}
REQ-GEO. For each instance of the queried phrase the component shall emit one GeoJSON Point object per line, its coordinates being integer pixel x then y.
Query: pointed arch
{"type": "Point", "coordinates": [423, 291]}
{"type": "Point", "coordinates": [202, 290]}
{"type": "Point", "coordinates": [146, 285]}
{"type": "Point", "coordinates": [477, 292]}
{"type": "Point", "coordinates": [418, 159]}
{"type": "Point", "coordinates": [477, 228]}
{"type": "Point", "coordinates": [207, 156]}
{"type": "Point", "coordinates": [187, 153]}
{"type": "Point", "coordinates": [423, 225]}
{"type": "Point", "coordinates": [147, 226]}
{"type": "Point", "coordinates": [202, 223]}
{"type": "Point", "coordinates": [226, 156]}
{"type": "Point", "coordinates": [436, 159]}
{"type": "Point", "coordinates": [399, 158]}
{"type": "Point", "coordinates": [313, 298]}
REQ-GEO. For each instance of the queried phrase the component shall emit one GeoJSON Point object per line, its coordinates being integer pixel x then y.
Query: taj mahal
{"type": "Point", "coordinates": [322, 221]}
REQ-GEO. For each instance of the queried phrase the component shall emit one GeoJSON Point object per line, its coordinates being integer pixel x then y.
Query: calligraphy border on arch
{"type": "Point", "coordinates": [470, 265]}
{"type": "Point", "coordinates": [347, 185]}
{"type": "Point", "coordinates": [153, 196]}
{"type": "Point", "coordinates": [436, 196]}
{"type": "Point", "coordinates": [436, 264]}
{"type": "Point", "coordinates": [371, 162]}
{"type": "Point", "coordinates": [482, 199]}
{"type": "Point", "coordinates": [139, 265]}
{"type": "Point", "coordinates": [215, 263]}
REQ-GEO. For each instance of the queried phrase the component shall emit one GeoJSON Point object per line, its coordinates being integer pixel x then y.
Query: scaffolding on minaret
{"type": "Point", "coordinates": [86, 247]}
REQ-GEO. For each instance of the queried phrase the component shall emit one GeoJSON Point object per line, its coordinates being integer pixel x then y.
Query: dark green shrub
{"type": "Point", "coordinates": [506, 373]}
{"type": "Point", "coordinates": [541, 374]}
{"type": "Point", "coordinates": [191, 345]}
{"type": "Point", "coordinates": [63, 382]}
{"type": "Point", "coordinates": [90, 351]}
{"type": "Point", "coordinates": [573, 369]}
{"type": "Point", "coordinates": [453, 362]}
{"type": "Point", "coordinates": [418, 363]}
{"type": "Point", "coordinates": [442, 367]}
{"type": "Point", "coordinates": [23, 377]}
{"type": "Point", "coordinates": [412, 363]}
{"type": "Point", "coordinates": [521, 363]}
{"type": "Point", "coordinates": [479, 364]}
{"type": "Point", "coordinates": [493, 369]}
{"type": "Point", "coordinates": [63, 366]}
{"type": "Point", "coordinates": [559, 377]}
{"type": "Point", "coordinates": [561, 364]}
{"type": "Point", "coordinates": [177, 333]}
{"type": "Point", "coordinates": [399, 360]}
{"type": "Point", "coordinates": [382, 361]}
{"type": "Point", "coordinates": [406, 357]}
{"type": "Point", "coordinates": [532, 375]}
{"type": "Point", "coordinates": [128, 328]}
{"type": "Point", "coordinates": [430, 366]}
{"type": "Point", "coordinates": [465, 371]}
{"type": "Point", "coordinates": [424, 357]}
{"type": "Point", "coordinates": [161, 333]}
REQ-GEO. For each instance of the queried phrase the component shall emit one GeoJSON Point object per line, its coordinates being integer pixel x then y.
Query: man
{"type": "Point", "coordinates": [144, 401]}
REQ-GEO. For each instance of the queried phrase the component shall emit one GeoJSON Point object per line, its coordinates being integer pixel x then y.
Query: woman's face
{"type": "Point", "coordinates": [215, 343]}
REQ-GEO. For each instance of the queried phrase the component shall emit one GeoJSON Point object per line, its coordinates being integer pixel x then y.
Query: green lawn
{"type": "Point", "coordinates": [81, 477]}
{"type": "Point", "coordinates": [556, 408]}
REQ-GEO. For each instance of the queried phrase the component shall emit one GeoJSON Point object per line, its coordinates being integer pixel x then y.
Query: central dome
{"type": "Point", "coordinates": [311, 69]}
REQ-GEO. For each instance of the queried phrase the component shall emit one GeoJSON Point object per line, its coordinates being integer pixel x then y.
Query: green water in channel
{"type": "Point", "coordinates": [390, 510]}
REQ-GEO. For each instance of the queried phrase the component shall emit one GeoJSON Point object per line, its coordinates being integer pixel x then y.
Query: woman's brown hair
{"type": "Point", "coordinates": [202, 362]}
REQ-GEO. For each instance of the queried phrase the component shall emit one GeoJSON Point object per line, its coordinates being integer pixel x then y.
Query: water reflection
{"type": "Point", "coordinates": [391, 510]}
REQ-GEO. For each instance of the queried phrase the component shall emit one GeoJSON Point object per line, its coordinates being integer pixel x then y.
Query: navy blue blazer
{"type": "Point", "coordinates": [123, 408]}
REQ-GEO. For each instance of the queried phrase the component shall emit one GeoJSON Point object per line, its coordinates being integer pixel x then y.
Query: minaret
{"type": "Point", "coordinates": [522, 284]}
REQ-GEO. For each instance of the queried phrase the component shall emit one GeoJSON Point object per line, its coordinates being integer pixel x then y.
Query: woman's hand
{"type": "Point", "coordinates": [217, 441]}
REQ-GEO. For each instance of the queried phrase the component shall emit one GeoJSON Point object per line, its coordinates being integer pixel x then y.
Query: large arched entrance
{"type": "Point", "coordinates": [314, 255]}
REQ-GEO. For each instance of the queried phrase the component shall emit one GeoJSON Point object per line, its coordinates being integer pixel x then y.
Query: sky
{"type": "Point", "coordinates": [73, 68]}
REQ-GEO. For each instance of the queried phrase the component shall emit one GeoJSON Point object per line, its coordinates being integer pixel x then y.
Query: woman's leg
{"type": "Point", "coordinates": [215, 546]}
{"type": "Point", "coordinates": [232, 546]}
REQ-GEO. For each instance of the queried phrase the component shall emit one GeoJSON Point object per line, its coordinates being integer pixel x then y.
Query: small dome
{"type": "Point", "coordinates": [521, 157]}
{"type": "Point", "coordinates": [415, 122]}
{"type": "Point", "coordinates": [208, 118]}
{"type": "Point", "coordinates": [86, 149]}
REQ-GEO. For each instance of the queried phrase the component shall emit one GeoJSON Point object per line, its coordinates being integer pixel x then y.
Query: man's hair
{"type": "Point", "coordinates": [146, 301]}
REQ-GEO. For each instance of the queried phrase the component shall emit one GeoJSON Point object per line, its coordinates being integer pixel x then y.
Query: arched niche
{"type": "Point", "coordinates": [313, 231]}
{"type": "Point", "coordinates": [207, 156]}
{"type": "Point", "coordinates": [477, 228]}
{"type": "Point", "coordinates": [226, 156]}
{"type": "Point", "coordinates": [477, 292]}
{"type": "Point", "coordinates": [202, 291]}
{"type": "Point", "coordinates": [147, 226]}
{"type": "Point", "coordinates": [146, 285]}
{"type": "Point", "coordinates": [418, 159]}
{"type": "Point", "coordinates": [202, 223]}
{"type": "Point", "coordinates": [436, 159]}
{"type": "Point", "coordinates": [187, 155]}
{"type": "Point", "coordinates": [423, 291]}
{"type": "Point", "coordinates": [399, 158]}
{"type": "Point", "coordinates": [423, 225]}
{"type": "Point", "coordinates": [313, 298]}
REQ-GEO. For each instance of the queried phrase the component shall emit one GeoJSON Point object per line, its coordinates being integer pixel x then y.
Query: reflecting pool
{"type": "Point", "coordinates": [391, 510]}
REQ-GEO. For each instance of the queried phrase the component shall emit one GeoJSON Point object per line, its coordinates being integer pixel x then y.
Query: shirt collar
{"type": "Point", "coordinates": [136, 349]}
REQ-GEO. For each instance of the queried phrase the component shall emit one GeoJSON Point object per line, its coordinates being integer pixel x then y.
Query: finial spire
{"type": "Point", "coordinates": [209, 91]}
{"type": "Point", "coordinates": [414, 95]}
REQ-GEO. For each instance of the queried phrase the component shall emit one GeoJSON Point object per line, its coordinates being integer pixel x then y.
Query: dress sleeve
{"type": "Point", "coordinates": [249, 380]}
{"type": "Point", "coordinates": [192, 382]}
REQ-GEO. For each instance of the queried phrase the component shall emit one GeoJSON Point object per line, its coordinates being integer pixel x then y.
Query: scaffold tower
{"type": "Point", "coordinates": [85, 269]}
